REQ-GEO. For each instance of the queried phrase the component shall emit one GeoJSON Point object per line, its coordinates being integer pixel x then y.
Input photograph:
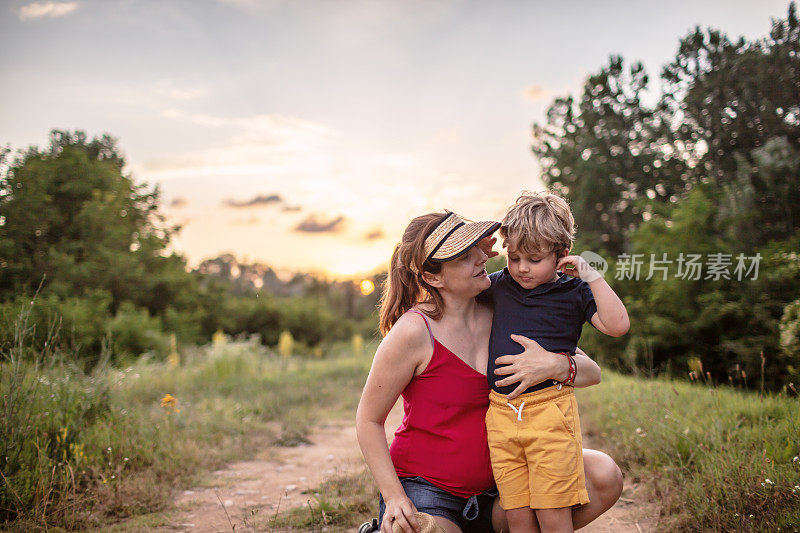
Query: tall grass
{"type": "Point", "coordinates": [719, 458]}
{"type": "Point", "coordinates": [83, 450]}
{"type": "Point", "coordinates": [80, 450]}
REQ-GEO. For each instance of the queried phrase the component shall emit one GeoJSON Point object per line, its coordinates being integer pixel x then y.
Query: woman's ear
{"type": "Point", "coordinates": [434, 280]}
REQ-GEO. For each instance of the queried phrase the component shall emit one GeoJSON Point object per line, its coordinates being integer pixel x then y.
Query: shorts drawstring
{"type": "Point", "coordinates": [518, 411]}
{"type": "Point", "coordinates": [471, 508]}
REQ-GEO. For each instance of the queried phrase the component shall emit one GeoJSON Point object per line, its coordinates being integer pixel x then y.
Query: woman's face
{"type": "Point", "coordinates": [466, 274]}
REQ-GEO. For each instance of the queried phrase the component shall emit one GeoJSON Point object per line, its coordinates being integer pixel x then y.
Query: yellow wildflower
{"type": "Point", "coordinates": [174, 359]}
{"type": "Point", "coordinates": [358, 344]}
{"type": "Point", "coordinates": [218, 339]}
{"type": "Point", "coordinates": [169, 402]}
{"type": "Point", "coordinates": [285, 344]}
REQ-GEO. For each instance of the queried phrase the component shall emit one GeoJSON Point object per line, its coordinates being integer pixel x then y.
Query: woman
{"type": "Point", "coordinates": [435, 354]}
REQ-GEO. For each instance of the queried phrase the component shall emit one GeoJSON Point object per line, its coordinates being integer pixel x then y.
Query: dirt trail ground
{"type": "Point", "coordinates": [276, 480]}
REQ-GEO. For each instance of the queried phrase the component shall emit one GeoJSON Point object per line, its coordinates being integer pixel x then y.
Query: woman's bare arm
{"type": "Point", "coordinates": [536, 364]}
{"type": "Point", "coordinates": [393, 367]}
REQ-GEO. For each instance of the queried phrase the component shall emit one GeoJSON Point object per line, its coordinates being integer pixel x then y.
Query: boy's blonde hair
{"type": "Point", "coordinates": [539, 223]}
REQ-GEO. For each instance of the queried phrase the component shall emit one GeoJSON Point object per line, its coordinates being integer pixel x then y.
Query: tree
{"type": "Point", "coordinates": [762, 201]}
{"type": "Point", "coordinates": [712, 168]}
{"type": "Point", "coordinates": [734, 96]}
{"type": "Point", "coordinates": [88, 239]}
{"type": "Point", "coordinates": [74, 222]}
{"type": "Point", "coordinates": [736, 106]}
{"type": "Point", "coordinates": [610, 155]}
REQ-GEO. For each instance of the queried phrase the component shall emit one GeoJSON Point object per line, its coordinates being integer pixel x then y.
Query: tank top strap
{"type": "Point", "coordinates": [427, 325]}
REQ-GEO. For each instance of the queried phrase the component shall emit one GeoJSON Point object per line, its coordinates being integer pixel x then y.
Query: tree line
{"type": "Point", "coordinates": [711, 168]}
{"type": "Point", "coordinates": [86, 260]}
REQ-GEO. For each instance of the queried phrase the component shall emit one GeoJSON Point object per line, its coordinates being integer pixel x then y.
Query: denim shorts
{"type": "Point", "coordinates": [472, 515]}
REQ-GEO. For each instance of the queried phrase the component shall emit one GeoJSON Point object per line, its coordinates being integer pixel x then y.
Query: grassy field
{"type": "Point", "coordinates": [718, 458]}
{"type": "Point", "coordinates": [83, 451]}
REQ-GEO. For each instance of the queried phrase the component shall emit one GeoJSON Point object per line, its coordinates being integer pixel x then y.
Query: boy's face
{"type": "Point", "coordinates": [530, 270]}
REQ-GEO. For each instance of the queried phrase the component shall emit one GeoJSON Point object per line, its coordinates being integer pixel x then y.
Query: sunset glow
{"type": "Point", "coordinates": [305, 135]}
{"type": "Point", "coordinates": [367, 287]}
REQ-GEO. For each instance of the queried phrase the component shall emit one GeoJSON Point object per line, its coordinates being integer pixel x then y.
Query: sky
{"type": "Point", "coordinates": [306, 134]}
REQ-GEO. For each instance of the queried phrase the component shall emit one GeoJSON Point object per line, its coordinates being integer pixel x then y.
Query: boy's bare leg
{"type": "Point", "coordinates": [603, 483]}
{"type": "Point", "coordinates": [555, 520]}
{"type": "Point", "coordinates": [521, 520]}
{"type": "Point", "coordinates": [500, 519]}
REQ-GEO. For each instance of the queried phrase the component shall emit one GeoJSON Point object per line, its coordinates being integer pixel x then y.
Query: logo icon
{"type": "Point", "coordinates": [596, 262]}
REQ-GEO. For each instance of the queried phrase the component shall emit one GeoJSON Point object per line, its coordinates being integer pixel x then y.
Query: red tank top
{"type": "Point", "coordinates": [443, 434]}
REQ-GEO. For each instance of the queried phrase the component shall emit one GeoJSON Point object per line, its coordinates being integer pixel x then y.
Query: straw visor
{"type": "Point", "coordinates": [454, 236]}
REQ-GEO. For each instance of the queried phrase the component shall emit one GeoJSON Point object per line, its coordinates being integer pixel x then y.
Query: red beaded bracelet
{"type": "Point", "coordinates": [574, 368]}
{"type": "Point", "coordinates": [573, 371]}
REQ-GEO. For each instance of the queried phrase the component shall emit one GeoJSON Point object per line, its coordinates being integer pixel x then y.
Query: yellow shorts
{"type": "Point", "coordinates": [536, 449]}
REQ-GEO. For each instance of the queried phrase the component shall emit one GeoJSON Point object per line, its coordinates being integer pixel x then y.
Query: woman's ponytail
{"type": "Point", "coordinates": [404, 287]}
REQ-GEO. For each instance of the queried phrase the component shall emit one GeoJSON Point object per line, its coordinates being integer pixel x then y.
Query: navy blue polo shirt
{"type": "Point", "coordinates": [552, 314]}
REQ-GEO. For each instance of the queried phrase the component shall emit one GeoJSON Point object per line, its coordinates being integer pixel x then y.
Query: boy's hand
{"type": "Point", "coordinates": [577, 267]}
{"type": "Point", "coordinates": [486, 245]}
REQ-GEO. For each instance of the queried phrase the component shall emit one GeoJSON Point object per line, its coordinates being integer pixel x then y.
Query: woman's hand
{"type": "Point", "coordinates": [530, 367]}
{"type": "Point", "coordinates": [536, 364]}
{"type": "Point", "coordinates": [486, 245]}
{"type": "Point", "coordinates": [401, 510]}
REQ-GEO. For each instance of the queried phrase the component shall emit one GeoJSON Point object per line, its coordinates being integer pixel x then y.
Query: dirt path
{"type": "Point", "coordinates": [275, 480]}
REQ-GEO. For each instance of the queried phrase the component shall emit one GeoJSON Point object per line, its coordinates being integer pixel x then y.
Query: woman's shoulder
{"type": "Point", "coordinates": [411, 333]}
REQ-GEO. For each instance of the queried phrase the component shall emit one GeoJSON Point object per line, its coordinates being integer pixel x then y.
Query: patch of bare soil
{"type": "Point", "coordinates": [275, 480]}
{"type": "Point", "coordinates": [633, 512]}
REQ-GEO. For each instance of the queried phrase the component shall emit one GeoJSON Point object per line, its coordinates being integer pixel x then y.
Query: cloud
{"type": "Point", "coordinates": [532, 93]}
{"type": "Point", "coordinates": [374, 234]}
{"type": "Point", "coordinates": [314, 224]}
{"type": "Point", "coordinates": [255, 201]}
{"type": "Point", "coordinates": [38, 10]}
{"type": "Point", "coordinates": [312, 165]}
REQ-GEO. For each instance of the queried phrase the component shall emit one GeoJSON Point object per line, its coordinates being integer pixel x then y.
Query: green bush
{"type": "Point", "coordinates": [311, 321]}
{"type": "Point", "coordinates": [133, 332]}
{"type": "Point", "coordinates": [790, 340]}
{"type": "Point", "coordinates": [77, 324]}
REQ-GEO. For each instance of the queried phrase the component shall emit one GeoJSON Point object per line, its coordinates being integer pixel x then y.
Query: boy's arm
{"type": "Point", "coordinates": [611, 317]}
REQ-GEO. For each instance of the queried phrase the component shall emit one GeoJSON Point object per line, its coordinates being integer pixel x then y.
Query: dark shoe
{"type": "Point", "coordinates": [369, 527]}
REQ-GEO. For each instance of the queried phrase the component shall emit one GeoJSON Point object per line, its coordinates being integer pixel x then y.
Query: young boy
{"type": "Point", "coordinates": [535, 439]}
